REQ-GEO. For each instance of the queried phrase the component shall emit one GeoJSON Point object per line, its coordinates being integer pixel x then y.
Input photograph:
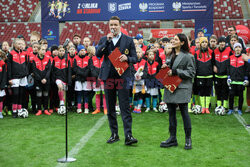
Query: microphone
{"type": "Point", "coordinates": [110, 38]}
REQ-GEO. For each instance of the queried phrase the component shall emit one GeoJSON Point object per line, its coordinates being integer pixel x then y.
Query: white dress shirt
{"type": "Point", "coordinates": [116, 39]}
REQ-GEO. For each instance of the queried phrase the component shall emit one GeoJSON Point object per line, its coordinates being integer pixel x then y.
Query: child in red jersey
{"type": "Point", "coordinates": [98, 85]}
{"type": "Point", "coordinates": [222, 54]}
{"type": "Point", "coordinates": [3, 80]}
{"type": "Point", "coordinates": [204, 73]}
{"type": "Point", "coordinates": [62, 75]}
{"type": "Point", "coordinates": [41, 68]}
{"type": "Point", "coordinates": [71, 88]}
{"type": "Point", "coordinates": [140, 74]}
{"type": "Point", "coordinates": [82, 86]}
{"type": "Point", "coordinates": [54, 98]}
{"type": "Point", "coordinates": [237, 78]}
{"type": "Point", "coordinates": [17, 64]}
{"type": "Point", "coordinates": [152, 84]}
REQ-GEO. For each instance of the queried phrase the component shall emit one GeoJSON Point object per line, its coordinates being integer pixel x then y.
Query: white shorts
{"type": "Point", "coordinates": [100, 87]}
{"type": "Point", "coordinates": [152, 91]}
{"type": "Point", "coordinates": [59, 82]}
{"type": "Point", "coordinates": [19, 82]}
{"type": "Point", "coordinates": [80, 86]}
{"type": "Point", "coordinates": [52, 10]}
{"type": "Point", "coordinates": [138, 87]}
{"type": "Point", "coordinates": [2, 93]}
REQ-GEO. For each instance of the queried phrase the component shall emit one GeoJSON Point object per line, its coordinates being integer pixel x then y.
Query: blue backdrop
{"type": "Point", "coordinates": [102, 10]}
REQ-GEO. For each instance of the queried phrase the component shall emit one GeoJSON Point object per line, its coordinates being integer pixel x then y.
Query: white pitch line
{"type": "Point", "coordinates": [84, 140]}
{"type": "Point", "coordinates": [242, 121]}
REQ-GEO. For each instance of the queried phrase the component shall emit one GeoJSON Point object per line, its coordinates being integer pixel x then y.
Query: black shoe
{"type": "Point", "coordinates": [113, 138]}
{"type": "Point", "coordinates": [130, 140]}
{"type": "Point", "coordinates": [14, 115]}
{"type": "Point", "coordinates": [171, 141]}
{"type": "Point", "coordinates": [188, 144]}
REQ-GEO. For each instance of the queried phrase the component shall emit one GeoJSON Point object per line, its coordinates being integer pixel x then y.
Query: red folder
{"type": "Point", "coordinates": [170, 82]}
{"type": "Point", "coordinates": [119, 66]}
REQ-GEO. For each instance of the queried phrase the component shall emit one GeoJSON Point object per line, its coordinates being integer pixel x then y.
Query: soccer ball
{"type": "Point", "coordinates": [23, 114]}
{"type": "Point", "coordinates": [61, 110]}
{"type": "Point", "coordinates": [197, 109]}
{"type": "Point", "coordinates": [163, 107]}
{"type": "Point", "coordinates": [220, 110]}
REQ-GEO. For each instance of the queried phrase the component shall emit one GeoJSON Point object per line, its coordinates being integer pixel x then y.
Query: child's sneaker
{"type": "Point", "coordinates": [155, 109]}
{"type": "Point", "coordinates": [190, 110]}
{"type": "Point", "coordinates": [135, 110]}
{"type": "Point", "coordinates": [105, 111]}
{"type": "Point", "coordinates": [203, 110]}
{"type": "Point", "coordinates": [79, 110]}
{"type": "Point", "coordinates": [96, 111]}
{"type": "Point", "coordinates": [86, 111]}
{"type": "Point", "coordinates": [46, 112]}
{"type": "Point", "coordinates": [51, 111]}
{"type": "Point", "coordinates": [39, 113]}
{"type": "Point", "coordinates": [207, 111]}
{"type": "Point", "coordinates": [1, 115]}
{"type": "Point", "coordinates": [239, 112]}
{"type": "Point", "coordinates": [138, 111]}
{"type": "Point", "coordinates": [147, 109]}
{"type": "Point", "coordinates": [230, 112]}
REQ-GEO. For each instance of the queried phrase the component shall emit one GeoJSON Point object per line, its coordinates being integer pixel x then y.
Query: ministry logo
{"type": "Point", "coordinates": [143, 7]}
{"type": "Point", "coordinates": [176, 6]}
{"type": "Point", "coordinates": [112, 7]}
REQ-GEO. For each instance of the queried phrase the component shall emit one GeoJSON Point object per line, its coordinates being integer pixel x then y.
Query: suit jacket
{"type": "Point", "coordinates": [127, 47]}
{"type": "Point", "coordinates": [184, 65]}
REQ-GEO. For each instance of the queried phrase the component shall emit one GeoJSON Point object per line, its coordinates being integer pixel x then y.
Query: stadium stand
{"type": "Point", "coordinates": [95, 30]}
{"type": "Point", "coordinates": [16, 11]}
{"type": "Point", "coordinates": [9, 31]}
{"type": "Point", "coordinates": [228, 9]}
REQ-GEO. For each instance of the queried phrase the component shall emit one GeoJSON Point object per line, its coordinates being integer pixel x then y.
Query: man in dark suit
{"type": "Point", "coordinates": [115, 83]}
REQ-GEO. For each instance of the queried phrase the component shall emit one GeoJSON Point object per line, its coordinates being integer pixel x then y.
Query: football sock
{"type": "Point", "coordinates": [14, 107]}
{"type": "Point", "coordinates": [104, 102]}
{"type": "Point", "coordinates": [207, 101]}
{"type": "Point", "coordinates": [98, 101]}
{"type": "Point", "coordinates": [79, 106]}
{"type": "Point", "coordinates": [1, 106]}
{"type": "Point", "coordinates": [219, 103]}
{"type": "Point", "coordinates": [203, 103]}
{"type": "Point", "coordinates": [225, 103]}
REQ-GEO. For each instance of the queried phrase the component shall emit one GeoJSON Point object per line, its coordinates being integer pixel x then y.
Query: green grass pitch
{"type": "Point", "coordinates": [40, 140]}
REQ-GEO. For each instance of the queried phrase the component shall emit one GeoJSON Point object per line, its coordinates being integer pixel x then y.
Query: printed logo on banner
{"type": "Point", "coordinates": [50, 32]}
{"type": "Point", "coordinates": [155, 7]}
{"type": "Point", "coordinates": [204, 29]}
{"type": "Point", "coordinates": [88, 8]}
{"type": "Point", "coordinates": [143, 7]}
{"type": "Point", "coordinates": [176, 6]}
{"type": "Point", "coordinates": [124, 6]}
{"type": "Point", "coordinates": [50, 36]}
{"type": "Point", "coordinates": [58, 9]}
{"type": "Point", "coordinates": [112, 7]}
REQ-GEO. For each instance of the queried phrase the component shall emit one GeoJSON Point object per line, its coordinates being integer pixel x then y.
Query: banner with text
{"type": "Point", "coordinates": [159, 33]}
{"type": "Point", "coordinates": [102, 10]}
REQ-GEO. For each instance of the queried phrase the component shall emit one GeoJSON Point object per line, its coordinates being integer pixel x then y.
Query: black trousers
{"type": "Point", "coordinates": [236, 90]}
{"type": "Point", "coordinates": [111, 87]}
{"type": "Point", "coordinates": [221, 88]}
{"type": "Point", "coordinates": [185, 117]}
